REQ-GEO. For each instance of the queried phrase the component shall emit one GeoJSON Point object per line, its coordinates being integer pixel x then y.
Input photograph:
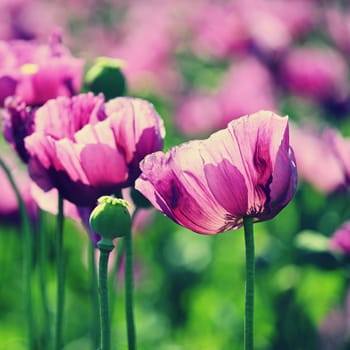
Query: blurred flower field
{"type": "Point", "coordinates": [88, 89]}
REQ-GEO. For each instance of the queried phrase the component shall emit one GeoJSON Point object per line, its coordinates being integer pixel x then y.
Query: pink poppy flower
{"type": "Point", "coordinates": [315, 73]}
{"type": "Point", "coordinates": [240, 95]}
{"type": "Point", "coordinates": [310, 146]}
{"type": "Point", "coordinates": [87, 148]}
{"type": "Point", "coordinates": [37, 73]}
{"type": "Point", "coordinates": [340, 241]}
{"type": "Point", "coordinates": [208, 186]}
{"type": "Point", "coordinates": [199, 114]}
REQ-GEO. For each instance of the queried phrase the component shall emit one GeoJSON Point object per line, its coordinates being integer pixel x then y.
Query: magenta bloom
{"type": "Point", "coordinates": [208, 186]}
{"type": "Point", "coordinates": [340, 241]}
{"type": "Point", "coordinates": [310, 146]}
{"type": "Point", "coordinates": [37, 73]}
{"type": "Point", "coordinates": [86, 148]}
{"type": "Point", "coordinates": [315, 73]}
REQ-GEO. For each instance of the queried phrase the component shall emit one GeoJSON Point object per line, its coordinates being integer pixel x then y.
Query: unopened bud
{"type": "Point", "coordinates": [110, 218]}
{"type": "Point", "coordinates": [106, 76]}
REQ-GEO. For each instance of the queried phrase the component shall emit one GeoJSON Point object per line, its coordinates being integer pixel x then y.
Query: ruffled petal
{"type": "Point", "coordinates": [64, 116]}
{"type": "Point", "coordinates": [137, 126]}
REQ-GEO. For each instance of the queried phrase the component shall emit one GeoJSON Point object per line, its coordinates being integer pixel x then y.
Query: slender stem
{"type": "Point", "coordinates": [60, 262]}
{"type": "Point", "coordinates": [94, 294]}
{"type": "Point", "coordinates": [129, 291]}
{"type": "Point", "coordinates": [120, 253]}
{"type": "Point", "coordinates": [42, 279]}
{"type": "Point", "coordinates": [105, 247]}
{"type": "Point", "coordinates": [249, 290]}
{"type": "Point", "coordinates": [27, 254]}
{"type": "Point", "coordinates": [113, 279]}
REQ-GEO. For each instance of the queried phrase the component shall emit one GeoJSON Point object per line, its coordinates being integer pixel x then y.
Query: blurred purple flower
{"type": "Point", "coordinates": [334, 329]}
{"type": "Point", "coordinates": [273, 25]}
{"type": "Point", "coordinates": [341, 149]}
{"type": "Point", "coordinates": [37, 73]}
{"type": "Point", "coordinates": [9, 208]}
{"type": "Point", "coordinates": [239, 94]}
{"type": "Point", "coordinates": [208, 186]}
{"type": "Point", "coordinates": [86, 148]}
{"type": "Point", "coordinates": [218, 29]}
{"type": "Point", "coordinates": [24, 20]}
{"type": "Point", "coordinates": [17, 123]}
{"type": "Point", "coordinates": [199, 114]}
{"type": "Point", "coordinates": [309, 147]}
{"type": "Point", "coordinates": [48, 201]}
{"type": "Point", "coordinates": [340, 241]}
{"type": "Point", "coordinates": [148, 49]}
{"type": "Point", "coordinates": [223, 29]}
{"type": "Point", "coordinates": [338, 26]}
{"type": "Point", "coordinates": [315, 73]}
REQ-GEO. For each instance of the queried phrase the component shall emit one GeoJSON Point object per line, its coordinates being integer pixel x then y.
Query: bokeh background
{"type": "Point", "coordinates": [202, 64]}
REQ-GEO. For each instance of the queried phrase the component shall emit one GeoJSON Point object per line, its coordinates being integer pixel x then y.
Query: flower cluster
{"type": "Point", "coordinates": [253, 94]}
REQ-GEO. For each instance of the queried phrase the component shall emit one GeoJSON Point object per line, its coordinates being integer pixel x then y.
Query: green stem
{"type": "Point", "coordinates": [42, 279]}
{"type": "Point", "coordinates": [105, 246]}
{"type": "Point", "coordinates": [60, 262]}
{"type": "Point", "coordinates": [129, 291]}
{"type": "Point", "coordinates": [94, 295]}
{"type": "Point", "coordinates": [119, 258]}
{"type": "Point", "coordinates": [249, 290]}
{"type": "Point", "coordinates": [27, 254]}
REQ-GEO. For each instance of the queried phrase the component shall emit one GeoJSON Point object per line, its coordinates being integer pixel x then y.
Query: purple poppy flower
{"type": "Point", "coordinates": [37, 73]}
{"type": "Point", "coordinates": [87, 148]}
{"type": "Point", "coordinates": [208, 186]}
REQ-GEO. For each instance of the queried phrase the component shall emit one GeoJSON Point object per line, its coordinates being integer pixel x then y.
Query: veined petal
{"type": "Point", "coordinates": [228, 187]}
{"type": "Point", "coordinates": [176, 184]}
{"type": "Point", "coordinates": [258, 138]}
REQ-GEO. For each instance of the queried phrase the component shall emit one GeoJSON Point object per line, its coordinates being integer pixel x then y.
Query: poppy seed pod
{"type": "Point", "coordinates": [110, 218]}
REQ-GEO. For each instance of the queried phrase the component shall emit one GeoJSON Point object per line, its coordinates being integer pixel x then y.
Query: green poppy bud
{"type": "Point", "coordinates": [111, 218]}
{"type": "Point", "coordinates": [106, 76]}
